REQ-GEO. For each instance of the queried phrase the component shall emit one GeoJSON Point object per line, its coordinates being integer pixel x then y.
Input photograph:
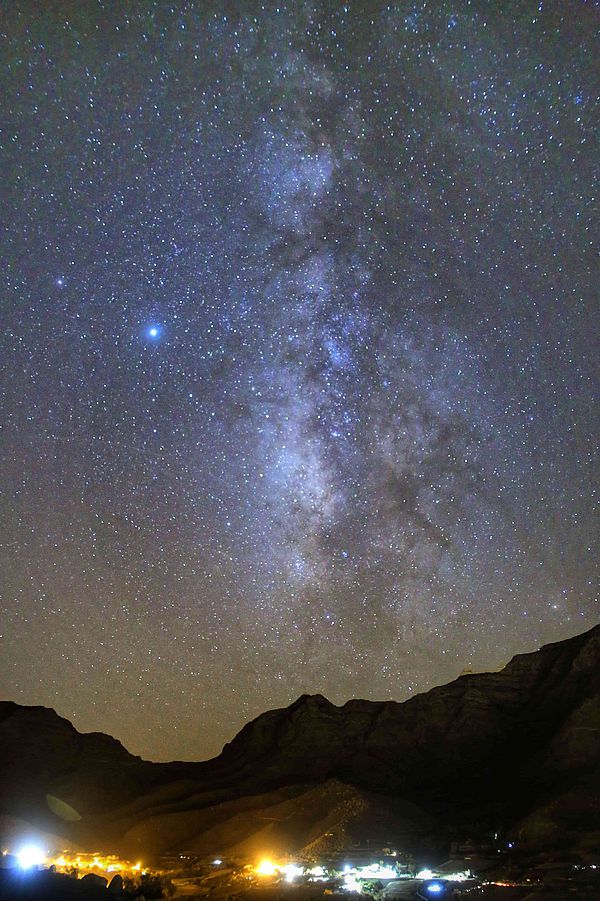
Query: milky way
{"type": "Point", "coordinates": [297, 353]}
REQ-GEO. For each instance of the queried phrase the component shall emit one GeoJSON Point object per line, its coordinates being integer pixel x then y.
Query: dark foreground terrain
{"type": "Point", "coordinates": [46, 886]}
{"type": "Point", "coordinates": [513, 754]}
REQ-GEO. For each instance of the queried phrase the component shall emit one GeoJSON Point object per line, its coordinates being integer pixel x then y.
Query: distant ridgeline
{"type": "Point", "coordinates": [515, 752]}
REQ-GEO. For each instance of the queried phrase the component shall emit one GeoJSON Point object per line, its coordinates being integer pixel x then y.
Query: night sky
{"type": "Point", "coordinates": [298, 348]}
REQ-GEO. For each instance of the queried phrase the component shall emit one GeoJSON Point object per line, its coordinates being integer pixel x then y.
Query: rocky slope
{"type": "Point", "coordinates": [518, 749]}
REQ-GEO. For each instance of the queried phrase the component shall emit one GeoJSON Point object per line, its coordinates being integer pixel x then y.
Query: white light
{"type": "Point", "coordinates": [217, 862]}
{"type": "Point", "coordinates": [318, 872]}
{"type": "Point", "coordinates": [386, 873]}
{"type": "Point", "coordinates": [292, 872]}
{"type": "Point", "coordinates": [376, 871]}
{"type": "Point", "coordinates": [350, 883]}
{"type": "Point", "coordinates": [153, 332]}
{"type": "Point", "coordinates": [425, 874]}
{"type": "Point", "coordinates": [30, 856]}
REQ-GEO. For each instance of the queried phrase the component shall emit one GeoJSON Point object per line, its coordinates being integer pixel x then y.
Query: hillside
{"type": "Point", "coordinates": [516, 750]}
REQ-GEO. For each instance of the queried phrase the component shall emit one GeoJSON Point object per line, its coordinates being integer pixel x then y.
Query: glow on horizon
{"type": "Point", "coordinates": [30, 856]}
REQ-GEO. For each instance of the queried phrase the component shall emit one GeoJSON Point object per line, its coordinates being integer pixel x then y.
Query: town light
{"type": "Point", "coordinates": [292, 872]}
{"type": "Point", "coordinates": [266, 868]}
{"type": "Point", "coordinates": [93, 861]}
{"type": "Point", "coordinates": [30, 856]}
{"type": "Point", "coordinates": [435, 888]}
{"type": "Point", "coordinates": [351, 884]}
{"type": "Point", "coordinates": [317, 872]}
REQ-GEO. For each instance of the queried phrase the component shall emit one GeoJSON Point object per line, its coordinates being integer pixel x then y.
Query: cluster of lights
{"type": "Point", "coordinates": [353, 877]}
{"type": "Point", "coordinates": [448, 877]}
{"type": "Point", "coordinates": [30, 856]}
{"type": "Point", "coordinates": [318, 873]}
{"type": "Point", "coordinates": [351, 884]}
{"type": "Point", "coordinates": [110, 864]}
{"type": "Point", "coordinates": [289, 871]}
{"type": "Point", "coordinates": [376, 871]}
{"type": "Point", "coordinates": [292, 871]}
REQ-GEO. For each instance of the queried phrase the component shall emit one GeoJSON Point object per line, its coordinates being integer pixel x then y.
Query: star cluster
{"type": "Point", "coordinates": [297, 353]}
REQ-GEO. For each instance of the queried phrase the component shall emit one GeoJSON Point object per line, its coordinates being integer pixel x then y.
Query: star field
{"type": "Point", "coordinates": [298, 353]}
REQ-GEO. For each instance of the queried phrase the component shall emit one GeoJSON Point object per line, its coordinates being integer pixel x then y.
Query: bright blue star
{"type": "Point", "coordinates": [153, 332]}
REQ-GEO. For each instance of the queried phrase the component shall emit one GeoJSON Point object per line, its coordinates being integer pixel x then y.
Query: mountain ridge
{"type": "Point", "coordinates": [487, 750]}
